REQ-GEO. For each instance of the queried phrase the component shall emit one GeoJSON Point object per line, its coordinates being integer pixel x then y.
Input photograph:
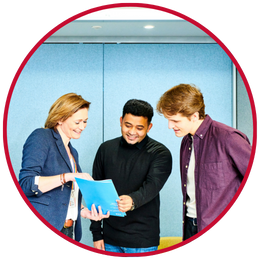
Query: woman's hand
{"type": "Point", "coordinates": [48, 183]}
{"type": "Point", "coordinates": [93, 214]}
{"type": "Point", "coordinates": [72, 176]}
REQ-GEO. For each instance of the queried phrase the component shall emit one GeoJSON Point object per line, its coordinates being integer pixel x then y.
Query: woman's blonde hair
{"type": "Point", "coordinates": [63, 108]}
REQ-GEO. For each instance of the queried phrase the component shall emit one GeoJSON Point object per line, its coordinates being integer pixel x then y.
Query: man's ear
{"type": "Point", "coordinates": [121, 120]}
{"type": "Point", "coordinates": [149, 127]}
{"type": "Point", "coordinates": [195, 117]}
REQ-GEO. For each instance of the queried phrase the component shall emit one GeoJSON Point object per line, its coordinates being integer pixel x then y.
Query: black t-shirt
{"type": "Point", "coordinates": [139, 171]}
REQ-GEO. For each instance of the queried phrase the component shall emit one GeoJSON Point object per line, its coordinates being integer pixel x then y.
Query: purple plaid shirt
{"type": "Point", "coordinates": [221, 158]}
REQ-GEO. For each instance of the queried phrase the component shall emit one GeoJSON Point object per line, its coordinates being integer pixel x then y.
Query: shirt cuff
{"type": "Point", "coordinates": [35, 188]}
{"type": "Point", "coordinates": [36, 180]}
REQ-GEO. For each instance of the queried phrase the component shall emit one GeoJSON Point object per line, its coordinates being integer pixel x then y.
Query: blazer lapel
{"type": "Point", "coordinates": [75, 155]}
{"type": "Point", "coordinates": [62, 149]}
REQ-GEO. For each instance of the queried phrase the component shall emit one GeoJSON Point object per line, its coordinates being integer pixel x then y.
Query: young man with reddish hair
{"type": "Point", "coordinates": [213, 157]}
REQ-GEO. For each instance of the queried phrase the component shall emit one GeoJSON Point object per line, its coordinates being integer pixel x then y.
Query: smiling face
{"type": "Point", "coordinates": [72, 127]}
{"type": "Point", "coordinates": [134, 128]}
{"type": "Point", "coordinates": [182, 125]}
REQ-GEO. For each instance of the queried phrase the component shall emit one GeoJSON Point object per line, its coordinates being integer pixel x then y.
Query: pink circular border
{"type": "Point", "coordinates": [110, 6]}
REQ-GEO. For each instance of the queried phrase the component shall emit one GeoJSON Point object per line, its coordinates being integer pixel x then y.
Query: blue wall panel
{"type": "Point", "coordinates": [53, 71]}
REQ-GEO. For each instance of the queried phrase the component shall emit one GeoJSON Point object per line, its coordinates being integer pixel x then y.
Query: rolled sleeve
{"type": "Point", "coordinates": [34, 187]}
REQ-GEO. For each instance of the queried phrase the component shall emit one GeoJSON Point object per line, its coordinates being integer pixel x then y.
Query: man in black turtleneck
{"type": "Point", "coordinates": [139, 167]}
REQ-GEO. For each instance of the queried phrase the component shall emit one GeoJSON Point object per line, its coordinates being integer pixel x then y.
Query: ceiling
{"type": "Point", "coordinates": [124, 25]}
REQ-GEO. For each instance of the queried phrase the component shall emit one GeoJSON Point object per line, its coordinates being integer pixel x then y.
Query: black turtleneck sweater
{"type": "Point", "coordinates": [139, 171]}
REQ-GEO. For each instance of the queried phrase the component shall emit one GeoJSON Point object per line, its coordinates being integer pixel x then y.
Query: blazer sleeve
{"type": "Point", "coordinates": [35, 152]}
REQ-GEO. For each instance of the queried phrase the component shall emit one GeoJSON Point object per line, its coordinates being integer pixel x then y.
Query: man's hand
{"type": "Point", "coordinates": [99, 245]}
{"type": "Point", "coordinates": [125, 203]}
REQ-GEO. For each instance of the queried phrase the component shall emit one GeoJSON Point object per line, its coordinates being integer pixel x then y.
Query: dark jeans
{"type": "Point", "coordinates": [68, 232]}
{"type": "Point", "coordinates": [190, 228]}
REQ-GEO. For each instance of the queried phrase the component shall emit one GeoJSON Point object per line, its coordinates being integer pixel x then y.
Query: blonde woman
{"type": "Point", "coordinates": [50, 165]}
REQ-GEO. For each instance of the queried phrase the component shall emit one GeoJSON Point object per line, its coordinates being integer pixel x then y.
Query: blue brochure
{"type": "Point", "coordinates": [100, 193]}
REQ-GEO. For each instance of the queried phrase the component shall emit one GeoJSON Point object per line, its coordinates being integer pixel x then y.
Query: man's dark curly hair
{"type": "Point", "coordinates": [138, 108]}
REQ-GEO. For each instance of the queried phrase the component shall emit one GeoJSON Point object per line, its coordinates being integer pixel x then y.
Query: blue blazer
{"type": "Point", "coordinates": [44, 154]}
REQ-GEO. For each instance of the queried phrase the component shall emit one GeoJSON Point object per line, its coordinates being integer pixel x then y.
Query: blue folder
{"type": "Point", "coordinates": [100, 193]}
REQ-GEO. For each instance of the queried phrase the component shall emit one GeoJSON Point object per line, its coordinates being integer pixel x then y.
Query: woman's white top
{"type": "Point", "coordinates": [73, 204]}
